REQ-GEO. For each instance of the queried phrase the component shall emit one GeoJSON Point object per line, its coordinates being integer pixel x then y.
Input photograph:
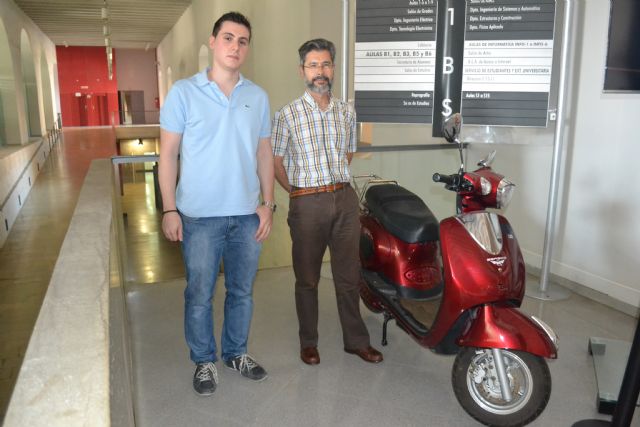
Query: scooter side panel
{"type": "Point", "coordinates": [507, 328]}
{"type": "Point", "coordinates": [413, 266]}
{"type": "Point", "coordinates": [474, 277]}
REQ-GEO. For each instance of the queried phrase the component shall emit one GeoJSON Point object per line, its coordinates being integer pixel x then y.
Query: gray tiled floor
{"type": "Point", "coordinates": [410, 388]}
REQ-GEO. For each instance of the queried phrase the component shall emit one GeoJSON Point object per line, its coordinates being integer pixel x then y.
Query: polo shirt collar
{"type": "Point", "coordinates": [202, 78]}
{"type": "Point", "coordinates": [312, 102]}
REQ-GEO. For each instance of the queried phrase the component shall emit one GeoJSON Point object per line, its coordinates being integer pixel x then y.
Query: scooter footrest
{"type": "Point", "coordinates": [389, 294]}
{"type": "Point", "coordinates": [415, 324]}
{"type": "Point", "coordinates": [378, 284]}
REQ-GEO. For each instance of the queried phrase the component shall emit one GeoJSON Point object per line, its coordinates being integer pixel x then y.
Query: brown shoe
{"type": "Point", "coordinates": [310, 355]}
{"type": "Point", "coordinates": [368, 354]}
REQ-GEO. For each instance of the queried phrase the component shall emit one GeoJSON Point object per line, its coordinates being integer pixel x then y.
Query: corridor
{"type": "Point", "coordinates": [410, 388]}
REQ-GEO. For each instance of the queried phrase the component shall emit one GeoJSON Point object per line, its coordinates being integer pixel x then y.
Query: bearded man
{"type": "Point", "coordinates": [313, 140]}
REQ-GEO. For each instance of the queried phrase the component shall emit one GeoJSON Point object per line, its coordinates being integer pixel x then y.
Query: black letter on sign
{"type": "Point", "coordinates": [449, 56]}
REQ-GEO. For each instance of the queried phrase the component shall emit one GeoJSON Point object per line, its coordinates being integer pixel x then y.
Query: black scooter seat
{"type": "Point", "coordinates": [402, 213]}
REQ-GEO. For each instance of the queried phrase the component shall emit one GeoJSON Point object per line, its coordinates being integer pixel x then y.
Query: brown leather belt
{"type": "Point", "coordinates": [330, 188]}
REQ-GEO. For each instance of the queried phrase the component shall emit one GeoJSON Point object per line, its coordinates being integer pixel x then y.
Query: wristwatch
{"type": "Point", "coordinates": [270, 204]}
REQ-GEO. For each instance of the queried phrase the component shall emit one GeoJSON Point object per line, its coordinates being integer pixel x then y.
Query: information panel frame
{"type": "Point", "coordinates": [451, 87]}
{"type": "Point", "coordinates": [394, 60]}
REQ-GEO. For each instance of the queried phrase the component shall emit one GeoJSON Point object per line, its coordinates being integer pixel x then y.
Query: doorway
{"type": "Point", "coordinates": [131, 103]}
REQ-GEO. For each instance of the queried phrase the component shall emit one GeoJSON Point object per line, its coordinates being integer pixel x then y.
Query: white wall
{"type": "Point", "coordinates": [596, 240]}
{"type": "Point", "coordinates": [133, 68]}
{"type": "Point", "coordinates": [279, 27]}
{"type": "Point", "coordinates": [20, 160]}
{"type": "Point", "coordinates": [15, 21]}
{"type": "Point", "coordinates": [601, 241]}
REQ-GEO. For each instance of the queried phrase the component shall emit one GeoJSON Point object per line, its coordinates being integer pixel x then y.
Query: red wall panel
{"type": "Point", "coordinates": [87, 96]}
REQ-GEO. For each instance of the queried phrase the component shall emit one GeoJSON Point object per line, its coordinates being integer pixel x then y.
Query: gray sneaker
{"type": "Point", "coordinates": [205, 379]}
{"type": "Point", "coordinates": [247, 367]}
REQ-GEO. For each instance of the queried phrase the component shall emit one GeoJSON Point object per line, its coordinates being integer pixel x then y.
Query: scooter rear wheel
{"type": "Point", "coordinates": [477, 388]}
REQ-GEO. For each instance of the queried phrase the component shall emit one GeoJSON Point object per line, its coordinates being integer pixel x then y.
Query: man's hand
{"type": "Point", "coordinates": [172, 226]}
{"type": "Point", "coordinates": [266, 218]}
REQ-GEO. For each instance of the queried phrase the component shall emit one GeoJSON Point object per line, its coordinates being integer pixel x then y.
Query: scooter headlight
{"type": "Point", "coordinates": [504, 193]}
{"type": "Point", "coordinates": [485, 186]}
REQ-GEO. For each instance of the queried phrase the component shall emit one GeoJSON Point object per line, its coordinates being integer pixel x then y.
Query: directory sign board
{"type": "Point", "coordinates": [408, 70]}
{"type": "Point", "coordinates": [395, 60]}
{"type": "Point", "coordinates": [508, 54]}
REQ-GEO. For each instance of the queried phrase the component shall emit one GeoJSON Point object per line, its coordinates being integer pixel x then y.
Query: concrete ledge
{"type": "Point", "coordinates": [137, 131]}
{"type": "Point", "coordinates": [64, 379]}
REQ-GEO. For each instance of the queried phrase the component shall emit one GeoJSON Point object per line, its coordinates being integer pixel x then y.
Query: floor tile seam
{"type": "Point", "coordinates": [361, 398]}
{"type": "Point", "coordinates": [350, 395]}
{"type": "Point", "coordinates": [273, 399]}
{"type": "Point", "coordinates": [581, 306]}
{"type": "Point", "coordinates": [599, 331]}
{"type": "Point", "coordinates": [205, 414]}
{"type": "Point", "coordinates": [272, 404]}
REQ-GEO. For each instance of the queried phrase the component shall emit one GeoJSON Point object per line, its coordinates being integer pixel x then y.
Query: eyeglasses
{"type": "Point", "coordinates": [317, 67]}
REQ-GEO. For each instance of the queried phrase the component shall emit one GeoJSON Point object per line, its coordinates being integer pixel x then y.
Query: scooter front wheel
{"type": "Point", "coordinates": [477, 386]}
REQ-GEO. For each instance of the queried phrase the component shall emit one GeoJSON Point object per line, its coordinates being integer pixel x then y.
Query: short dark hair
{"type": "Point", "coordinates": [316, 44]}
{"type": "Point", "coordinates": [236, 17]}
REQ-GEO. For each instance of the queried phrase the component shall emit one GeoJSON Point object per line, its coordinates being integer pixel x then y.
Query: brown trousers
{"type": "Point", "coordinates": [318, 221]}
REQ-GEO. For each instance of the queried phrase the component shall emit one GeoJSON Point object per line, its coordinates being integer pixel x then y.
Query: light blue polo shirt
{"type": "Point", "coordinates": [218, 152]}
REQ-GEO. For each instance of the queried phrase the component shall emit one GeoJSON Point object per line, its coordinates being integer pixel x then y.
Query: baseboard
{"type": "Point", "coordinates": [588, 292]}
{"type": "Point", "coordinates": [21, 178]}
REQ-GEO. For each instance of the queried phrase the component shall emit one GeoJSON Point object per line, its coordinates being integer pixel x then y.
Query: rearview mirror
{"type": "Point", "coordinates": [451, 127]}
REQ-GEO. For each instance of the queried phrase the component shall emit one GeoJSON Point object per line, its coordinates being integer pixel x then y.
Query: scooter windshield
{"type": "Point", "coordinates": [484, 227]}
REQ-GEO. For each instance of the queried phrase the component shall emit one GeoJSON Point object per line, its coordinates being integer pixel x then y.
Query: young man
{"type": "Point", "coordinates": [313, 140]}
{"type": "Point", "coordinates": [218, 123]}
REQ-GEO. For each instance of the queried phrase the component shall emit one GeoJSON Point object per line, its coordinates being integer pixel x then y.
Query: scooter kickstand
{"type": "Point", "coordinates": [387, 317]}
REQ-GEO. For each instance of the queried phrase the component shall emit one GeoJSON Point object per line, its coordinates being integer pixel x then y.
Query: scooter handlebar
{"type": "Point", "coordinates": [447, 179]}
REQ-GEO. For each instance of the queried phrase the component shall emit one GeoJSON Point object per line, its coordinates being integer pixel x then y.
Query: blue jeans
{"type": "Point", "coordinates": [205, 242]}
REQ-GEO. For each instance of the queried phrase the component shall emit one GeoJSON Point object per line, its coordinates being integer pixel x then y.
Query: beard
{"type": "Point", "coordinates": [319, 89]}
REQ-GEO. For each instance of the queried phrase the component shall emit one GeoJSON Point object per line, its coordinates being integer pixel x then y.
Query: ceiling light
{"type": "Point", "coordinates": [104, 13]}
{"type": "Point", "coordinates": [109, 62]}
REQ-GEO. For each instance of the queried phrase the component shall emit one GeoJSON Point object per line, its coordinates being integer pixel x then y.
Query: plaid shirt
{"type": "Point", "coordinates": [315, 143]}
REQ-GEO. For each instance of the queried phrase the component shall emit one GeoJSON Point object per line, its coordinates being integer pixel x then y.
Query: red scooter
{"type": "Point", "coordinates": [455, 286]}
